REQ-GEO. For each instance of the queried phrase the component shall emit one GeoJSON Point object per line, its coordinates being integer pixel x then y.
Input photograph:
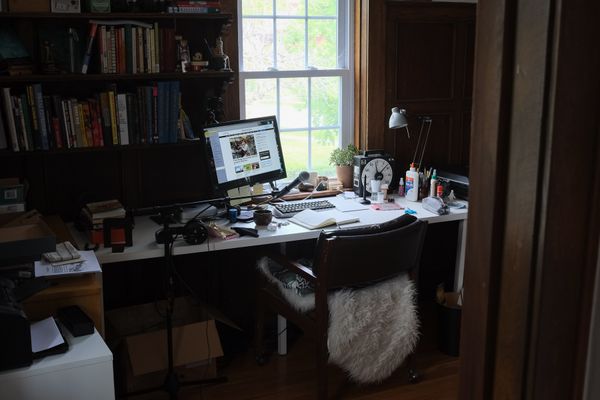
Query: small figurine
{"type": "Point", "coordinates": [198, 64]}
{"type": "Point", "coordinates": [184, 54]}
{"type": "Point", "coordinates": [220, 54]}
{"type": "Point", "coordinates": [47, 59]}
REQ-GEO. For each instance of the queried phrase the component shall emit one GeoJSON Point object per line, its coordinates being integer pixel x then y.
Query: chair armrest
{"type": "Point", "coordinates": [293, 266]}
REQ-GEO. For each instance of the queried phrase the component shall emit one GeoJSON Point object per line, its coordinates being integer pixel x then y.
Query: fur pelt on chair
{"type": "Point", "coordinates": [371, 330]}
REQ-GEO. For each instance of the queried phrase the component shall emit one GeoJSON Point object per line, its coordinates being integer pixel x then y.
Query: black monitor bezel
{"type": "Point", "coordinates": [260, 178]}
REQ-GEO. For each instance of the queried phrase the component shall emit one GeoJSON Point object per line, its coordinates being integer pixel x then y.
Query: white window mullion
{"type": "Point", "coordinates": [309, 122]}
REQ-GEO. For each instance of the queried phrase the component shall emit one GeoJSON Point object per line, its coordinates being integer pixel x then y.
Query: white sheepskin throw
{"type": "Point", "coordinates": [371, 330]}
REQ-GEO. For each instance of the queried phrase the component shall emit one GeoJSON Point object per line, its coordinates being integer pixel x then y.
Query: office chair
{"type": "Point", "coordinates": [345, 259]}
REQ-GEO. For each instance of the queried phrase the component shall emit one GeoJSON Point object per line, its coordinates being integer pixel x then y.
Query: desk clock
{"type": "Point", "coordinates": [373, 164]}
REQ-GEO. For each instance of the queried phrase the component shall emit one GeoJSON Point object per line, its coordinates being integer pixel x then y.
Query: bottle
{"type": "Point", "coordinates": [401, 188]}
{"type": "Point", "coordinates": [412, 184]}
{"type": "Point", "coordinates": [433, 184]}
{"type": "Point", "coordinates": [440, 191]}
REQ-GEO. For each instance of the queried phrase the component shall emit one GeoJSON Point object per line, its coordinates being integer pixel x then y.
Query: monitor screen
{"type": "Point", "coordinates": [244, 152]}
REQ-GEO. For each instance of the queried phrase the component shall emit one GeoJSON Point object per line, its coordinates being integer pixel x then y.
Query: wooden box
{"type": "Point", "coordinates": [29, 5]}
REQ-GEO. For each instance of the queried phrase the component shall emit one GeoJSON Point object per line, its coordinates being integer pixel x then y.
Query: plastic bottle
{"type": "Point", "coordinates": [401, 188]}
{"type": "Point", "coordinates": [433, 184]}
{"type": "Point", "coordinates": [412, 184]}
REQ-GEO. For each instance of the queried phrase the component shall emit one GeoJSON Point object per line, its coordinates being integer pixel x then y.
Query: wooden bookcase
{"type": "Point", "coordinates": [61, 180]}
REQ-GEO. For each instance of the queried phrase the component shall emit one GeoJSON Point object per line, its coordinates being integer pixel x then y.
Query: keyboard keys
{"type": "Point", "coordinates": [291, 208]}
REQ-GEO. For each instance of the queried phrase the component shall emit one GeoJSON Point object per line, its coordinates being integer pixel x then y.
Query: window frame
{"type": "Point", "coordinates": [345, 72]}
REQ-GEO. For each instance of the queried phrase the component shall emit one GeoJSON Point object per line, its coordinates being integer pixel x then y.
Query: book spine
{"type": "Point", "coordinates": [112, 106]}
{"type": "Point", "coordinates": [75, 129]}
{"type": "Point", "coordinates": [41, 115]}
{"type": "Point", "coordinates": [102, 49]}
{"type": "Point", "coordinates": [48, 118]}
{"type": "Point", "coordinates": [66, 116]}
{"type": "Point", "coordinates": [132, 119]}
{"type": "Point", "coordinates": [19, 122]}
{"type": "Point", "coordinates": [128, 49]}
{"type": "Point", "coordinates": [156, 48]}
{"type": "Point", "coordinates": [155, 132]}
{"type": "Point", "coordinates": [147, 52]}
{"type": "Point", "coordinates": [56, 102]}
{"type": "Point", "coordinates": [86, 121]}
{"type": "Point", "coordinates": [174, 106]}
{"type": "Point", "coordinates": [28, 140]}
{"type": "Point", "coordinates": [88, 48]}
{"type": "Point", "coordinates": [112, 56]}
{"type": "Point", "coordinates": [12, 130]}
{"type": "Point", "coordinates": [122, 116]}
{"type": "Point", "coordinates": [37, 138]}
{"type": "Point", "coordinates": [106, 127]}
{"type": "Point", "coordinates": [162, 103]}
{"type": "Point", "coordinates": [57, 123]}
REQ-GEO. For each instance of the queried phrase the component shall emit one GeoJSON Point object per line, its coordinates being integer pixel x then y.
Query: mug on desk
{"type": "Point", "coordinates": [263, 217]}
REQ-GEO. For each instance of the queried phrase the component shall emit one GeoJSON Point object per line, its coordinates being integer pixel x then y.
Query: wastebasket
{"type": "Point", "coordinates": [449, 310]}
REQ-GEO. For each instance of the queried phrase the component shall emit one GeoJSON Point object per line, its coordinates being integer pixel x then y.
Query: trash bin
{"type": "Point", "coordinates": [449, 310]}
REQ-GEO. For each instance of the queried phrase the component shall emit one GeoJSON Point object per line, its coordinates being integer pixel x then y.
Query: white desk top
{"type": "Point", "coordinates": [83, 350]}
{"type": "Point", "coordinates": [144, 245]}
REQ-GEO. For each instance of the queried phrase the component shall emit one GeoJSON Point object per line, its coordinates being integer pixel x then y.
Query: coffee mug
{"type": "Point", "coordinates": [375, 185]}
{"type": "Point", "coordinates": [263, 217]}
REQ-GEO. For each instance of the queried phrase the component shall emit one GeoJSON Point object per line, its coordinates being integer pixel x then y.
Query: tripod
{"type": "Point", "coordinates": [168, 234]}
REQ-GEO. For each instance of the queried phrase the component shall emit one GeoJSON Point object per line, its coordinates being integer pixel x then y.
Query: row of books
{"type": "Point", "coordinates": [194, 7]}
{"type": "Point", "coordinates": [124, 46]}
{"type": "Point", "coordinates": [34, 121]}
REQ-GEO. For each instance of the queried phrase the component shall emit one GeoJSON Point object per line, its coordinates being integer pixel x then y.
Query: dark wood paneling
{"type": "Point", "coordinates": [428, 62]}
{"type": "Point", "coordinates": [530, 263]}
{"type": "Point", "coordinates": [423, 68]}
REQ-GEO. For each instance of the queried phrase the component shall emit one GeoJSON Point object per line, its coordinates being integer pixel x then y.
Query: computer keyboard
{"type": "Point", "coordinates": [285, 210]}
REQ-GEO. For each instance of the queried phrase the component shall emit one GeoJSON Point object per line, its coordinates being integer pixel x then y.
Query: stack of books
{"type": "Point", "coordinates": [93, 216]}
{"type": "Point", "coordinates": [195, 7]}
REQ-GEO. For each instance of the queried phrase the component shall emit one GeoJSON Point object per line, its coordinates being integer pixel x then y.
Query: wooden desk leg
{"type": "Point", "coordinates": [459, 270]}
{"type": "Point", "coordinates": [281, 335]}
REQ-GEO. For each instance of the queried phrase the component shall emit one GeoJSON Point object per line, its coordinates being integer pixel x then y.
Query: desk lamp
{"type": "Point", "coordinates": [398, 120]}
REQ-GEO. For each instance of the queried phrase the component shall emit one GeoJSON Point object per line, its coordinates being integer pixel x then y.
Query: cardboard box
{"type": "Point", "coordinates": [24, 238]}
{"type": "Point", "coordinates": [138, 335]}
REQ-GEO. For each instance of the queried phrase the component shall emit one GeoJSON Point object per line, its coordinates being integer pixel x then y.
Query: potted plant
{"type": "Point", "coordinates": [343, 160]}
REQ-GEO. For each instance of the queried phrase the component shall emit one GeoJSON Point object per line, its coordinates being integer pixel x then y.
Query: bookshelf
{"type": "Point", "coordinates": [140, 173]}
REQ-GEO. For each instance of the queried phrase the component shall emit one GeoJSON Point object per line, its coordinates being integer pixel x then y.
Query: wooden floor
{"type": "Point", "coordinates": [293, 377]}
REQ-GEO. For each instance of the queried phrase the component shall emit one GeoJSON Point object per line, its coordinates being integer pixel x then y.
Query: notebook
{"type": "Point", "coordinates": [319, 219]}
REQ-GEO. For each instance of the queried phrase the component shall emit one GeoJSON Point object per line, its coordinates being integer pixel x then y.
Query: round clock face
{"type": "Point", "coordinates": [378, 169]}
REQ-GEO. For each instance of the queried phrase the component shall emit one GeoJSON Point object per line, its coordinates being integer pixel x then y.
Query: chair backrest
{"type": "Point", "coordinates": [362, 256]}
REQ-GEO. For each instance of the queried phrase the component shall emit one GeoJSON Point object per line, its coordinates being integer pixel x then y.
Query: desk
{"type": "Point", "coordinates": [144, 245]}
{"type": "Point", "coordinates": [85, 371]}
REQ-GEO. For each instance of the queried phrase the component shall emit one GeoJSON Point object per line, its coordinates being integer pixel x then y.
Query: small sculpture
{"type": "Point", "coordinates": [220, 54]}
{"type": "Point", "coordinates": [184, 54]}
{"type": "Point", "coordinates": [198, 64]}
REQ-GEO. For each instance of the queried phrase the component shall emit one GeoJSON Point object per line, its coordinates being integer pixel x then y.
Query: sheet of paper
{"type": "Point", "coordinates": [345, 205]}
{"type": "Point", "coordinates": [89, 263]}
{"type": "Point", "coordinates": [45, 335]}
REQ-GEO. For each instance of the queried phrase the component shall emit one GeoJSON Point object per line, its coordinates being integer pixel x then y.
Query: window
{"type": "Point", "coordinates": [295, 63]}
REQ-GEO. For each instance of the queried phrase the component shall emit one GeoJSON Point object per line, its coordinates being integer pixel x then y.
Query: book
{"type": "Point", "coordinates": [319, 219]}
{"type": "Point", "coordinates": [88, 48]}
{"type": "Point", "coordinates": [10, 120]}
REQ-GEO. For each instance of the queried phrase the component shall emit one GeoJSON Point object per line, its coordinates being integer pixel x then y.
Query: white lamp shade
{"type": "Point", "coordinates": [398, 118]}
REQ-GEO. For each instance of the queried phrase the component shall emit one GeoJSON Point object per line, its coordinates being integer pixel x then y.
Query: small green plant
{"type": "Point", "coordinates": [343, 156]}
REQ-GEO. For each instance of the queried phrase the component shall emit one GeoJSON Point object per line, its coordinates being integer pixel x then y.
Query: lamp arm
{"type": "Point", "coordinates": [418, 142]}
{"type": "Point", "coordinates": [426, 120]}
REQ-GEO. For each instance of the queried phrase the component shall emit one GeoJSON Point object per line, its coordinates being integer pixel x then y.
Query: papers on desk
{"type": "Point", "coordinates": [344, 205]}
{"type": "Point", "coordinates": [45, 335]}
{"type": "Point", "coordinates": [319, 219]}
{"type": "Point", "coordinates": [88, 263]}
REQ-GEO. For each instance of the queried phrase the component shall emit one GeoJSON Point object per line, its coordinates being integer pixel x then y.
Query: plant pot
{"type": "Point", "coordinates": [344, 175]}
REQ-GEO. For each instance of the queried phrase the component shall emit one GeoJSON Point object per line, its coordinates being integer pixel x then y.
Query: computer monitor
{"type": "Point", "coordinates": [244, 152]}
